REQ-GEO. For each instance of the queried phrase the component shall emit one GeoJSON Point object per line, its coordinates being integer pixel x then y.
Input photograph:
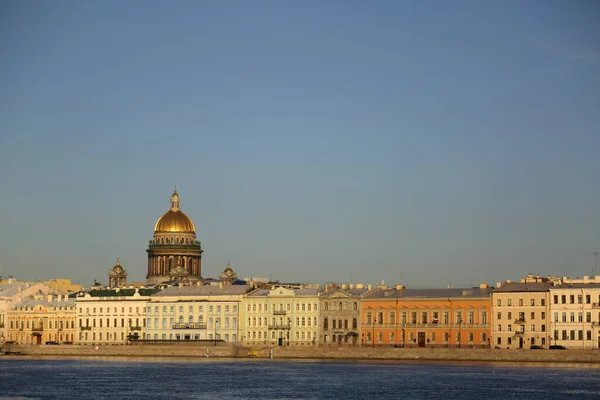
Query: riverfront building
{"type": "Point", "coordinates": [426, 317]}
{"type": "Point", "coordinates": [520, 313]}
{"type": "Point", "coordinates": [192, 312]}
{"type": "Point", "coordinates": [340, 315]}
{"type": "Point", "coordinates": [112, 316]}
{"type": "Point", "coordinates": [174, 250]}
{"type": "Point", "coordinates": [12, 294]}
{"type": "Point", "coordinates": [575, 313]}
{"type": "Point", "coordinates": [282, 316]}
{"type": "Point", "coordinates": [45, 318]}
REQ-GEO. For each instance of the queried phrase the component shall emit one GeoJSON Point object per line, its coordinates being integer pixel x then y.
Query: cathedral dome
{"type": "Point", "coordinates": [174, 220]}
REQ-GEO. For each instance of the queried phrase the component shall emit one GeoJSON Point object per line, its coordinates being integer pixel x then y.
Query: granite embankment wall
{"type": "Point", "coordinates": [424, 354]}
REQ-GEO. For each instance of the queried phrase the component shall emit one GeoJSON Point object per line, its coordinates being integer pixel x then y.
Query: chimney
{"type": "Point", "coordinates": [483, 286]}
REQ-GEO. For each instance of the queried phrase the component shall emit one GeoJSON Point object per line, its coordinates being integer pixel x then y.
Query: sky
{"type": "Point", "coordinates": [421, 143]}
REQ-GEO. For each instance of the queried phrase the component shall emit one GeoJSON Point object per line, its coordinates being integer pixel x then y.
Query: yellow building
{"type": "Point", "coordinates": [43, 319]}
{"type": "Point", "coordinates": [282, 316]}
{"type": "Point", "coordinates": [520, 314]}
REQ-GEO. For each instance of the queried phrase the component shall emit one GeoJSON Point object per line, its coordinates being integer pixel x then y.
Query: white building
{"type": "Point", "coordinates": [575, 313]}
{"type": "Point", "coordinates": [282, 316]}
{"type": "Point", "coordinates": [196, 313]}
{"type": "Point", "coordinates": [112, 316]}
{"type": "Point", "coordinates": [12, 294]}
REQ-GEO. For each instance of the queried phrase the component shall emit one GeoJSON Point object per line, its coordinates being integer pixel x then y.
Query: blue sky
{"type": "Point", "coordinates": [406, 141]}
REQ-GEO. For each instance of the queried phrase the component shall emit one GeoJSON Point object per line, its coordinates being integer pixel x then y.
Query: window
{"type": "Point", "coordinates": [543, 315]}
{"type": "Point", "coordinates": [509, 302]}
{"type": "Point", "coordinates": [470, 337]}
{"type": "Point", "coordinates": [555, 299]}
{"type": "Point", "coordinates": [521, 302]}
{"type": "Point", "coordinates": [471, 317]}
{"type": "Point", "coordinates": [509, 316]}
{"type": "Point", "coordinates": [483, 317]}
{"type": "Point", "coordinates": [588, 317]}
{"type": "Point", "coordinates": [532, 328]}
{"type": "Point", "coordinates": [563, 299]}
{"type": "Point", "coordinates": [499, 328]}
{"type": "Point", "coordinates": [579, 299]}
{"type": "Point", "coordinates": [572, 317]}
{"type": "Point", "coordinates": [483, 337]}
{"type": "Point", "coordinates": [580, 317]}
{"type": "Point", "coordinates": [532, 302]}
{"type": "Point", "coordinates": [543, 328]}
{"type": "Point", "coordinates": [543, 302]}
{"type": "Point", "coordinates": [532, 315]}
{"type": "Point", "coordinates": [588, 299]}
{"type": "Point", "coordinates": [510, 328]}
{"type": "Point", "coordinates": [499, 302]}
{"type": "Point", "coordinates": [572, 299]}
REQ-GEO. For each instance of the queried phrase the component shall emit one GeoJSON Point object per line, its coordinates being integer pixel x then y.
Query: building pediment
{"type": "Point", "coordinates": [281, 292]}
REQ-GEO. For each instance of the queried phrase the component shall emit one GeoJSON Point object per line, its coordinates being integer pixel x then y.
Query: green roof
{"type": "Point", "coordinates": [121, 292]}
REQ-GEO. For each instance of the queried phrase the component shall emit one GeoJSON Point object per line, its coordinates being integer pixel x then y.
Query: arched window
{"type": "Point", "coordinates": [191, 319]}
{"type": "Point", "coordinates": [201, 319]}
{"type": "Point", "coordinates": [181, 319]}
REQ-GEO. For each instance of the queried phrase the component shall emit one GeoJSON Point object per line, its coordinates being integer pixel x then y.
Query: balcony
{"type": "Point", "coordinates": [279, 312]}
{"type": "Point", "coordinates": [86, 328]}
{"type": "Point", "coordinates": [189, 326]}
{"type": "Point", "coordinates": [280, 326]}
{"type": "Point", "coordinates": [520, 321]}
{"type": "Point", "coordinates": [519, 333]}
{"type": "Point", "coordinates": [37, 329]}
{"type": "Point", "coordinates": [136, 328]}
{"type": "Point", "coordinates": [595, 305]}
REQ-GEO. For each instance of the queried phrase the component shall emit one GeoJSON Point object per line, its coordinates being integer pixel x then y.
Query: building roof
{"type": "Point", "coordinates": [465, 293]}
{"type": "Point", "coordinates": [206, 290]}
{"type": "Point", "coordinates": [12, 289]}
{"type": "Point", "coordinates": [297, 292]}
{"type": "Point", "coordinates": [45, 302]}
{"type": "Point", "coordinates": [349, 292]}
{"type": "Point", "coordinates": [524, 287]}
{"type": "Point", "coordinates": [577, 286]}
{"type": "Point", "coordinates": [121, 292]}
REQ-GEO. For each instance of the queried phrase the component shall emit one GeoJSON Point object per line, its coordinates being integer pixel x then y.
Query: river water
{"type": "Point", "coordinates": [128, 378]}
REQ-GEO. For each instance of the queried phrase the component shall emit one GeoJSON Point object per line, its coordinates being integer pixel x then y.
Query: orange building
{"type": "Point", "coordinates": [426, 317]}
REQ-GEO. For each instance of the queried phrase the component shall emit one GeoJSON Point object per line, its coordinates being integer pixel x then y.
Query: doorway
{"type": "Point", "coordinates": [421, 339]}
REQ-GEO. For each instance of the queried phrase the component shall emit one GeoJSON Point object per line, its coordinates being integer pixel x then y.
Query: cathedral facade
{"type": "Point", "coordinates": [174, 252]}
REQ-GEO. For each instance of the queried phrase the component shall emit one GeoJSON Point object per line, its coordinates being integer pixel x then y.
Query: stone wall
{"type": "Point", "coordinates": [424, 354]}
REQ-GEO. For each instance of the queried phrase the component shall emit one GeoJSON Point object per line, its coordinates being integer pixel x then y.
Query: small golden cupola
{"type": "Point", "coordinates": [228, 275]}
{"type": "Point", "coordinates": [117, 277]}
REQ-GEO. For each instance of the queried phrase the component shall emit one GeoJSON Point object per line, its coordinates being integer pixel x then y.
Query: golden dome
{"type": "Point", "coordinates": [174, 220]}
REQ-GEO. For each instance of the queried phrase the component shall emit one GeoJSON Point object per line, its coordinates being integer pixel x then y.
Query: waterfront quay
{"type": "Point", "coordinates": [317, 352]}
